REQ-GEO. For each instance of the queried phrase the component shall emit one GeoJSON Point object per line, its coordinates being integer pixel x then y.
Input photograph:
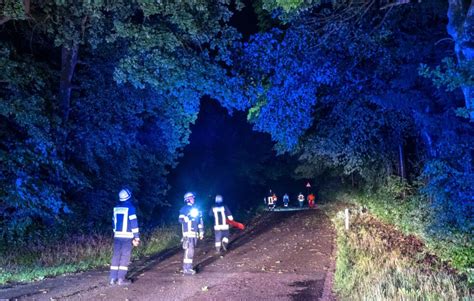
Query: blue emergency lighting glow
{"type": "Point", "coordinates": [194, 212]}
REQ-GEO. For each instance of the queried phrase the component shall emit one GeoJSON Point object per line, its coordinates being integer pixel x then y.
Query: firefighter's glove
{"type": "Point", "coordinates": [201, 235]}
{"type": "Point", "coordinates": [136, 242]}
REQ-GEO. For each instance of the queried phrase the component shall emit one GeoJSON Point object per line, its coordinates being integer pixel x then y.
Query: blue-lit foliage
{"type": "Point", "coordinates": [287, 75]}
{"type": "Point", "coordinates": [27, 150]}
{"type": "Point", "coordinates": [368, 102]}
{"type": "Point", "coordinates": [123, 118]}
{"type": "Point", "coordinates": [336, 86]}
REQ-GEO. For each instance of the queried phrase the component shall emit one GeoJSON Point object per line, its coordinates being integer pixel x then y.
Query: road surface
{"type": "Point", "coordinates": [280, 256]}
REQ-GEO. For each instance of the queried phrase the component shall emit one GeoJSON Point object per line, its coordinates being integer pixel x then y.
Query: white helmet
{"type": "Point", "coordinates": [188, 195]}
{"type": "Point", "coordinates": [219, 198]}
{"type": "Point", "coordinates": [124, 195]}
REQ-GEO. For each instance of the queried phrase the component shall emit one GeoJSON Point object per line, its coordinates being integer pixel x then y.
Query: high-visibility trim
{"type": "Point", "coordinates": [225, 239]}
{"type": "Point", "coordinates": [189, 224]}
{"type": "Point", "coordinates": [219, 218]}
{"type": "Point", "coordinates": [123, 268]}
{"type": "Point", "coordinates": [114, 267]}
{"type": "Point", "coordinates": [185, 218]}
{"type": "Point", "coordinates": [120, 234]}
{"type": "Point", "coordinates": [218, 244]}
{"type": "Point", "coordinates": [121, 211]}
{"type": "Point", "coordinates": [221, 227]}
{"type": "Point", "coordinates": [135, 230]}
{"type": "Point", "coordinates": [189, 234]}
{"type": "Point", "coordinates": [200, 226]}
{"type": "Point", "coordinates": [187, 260]}
{"type": "Point", "coordinates": [230, 217]}
{"type": "Point", "coordinates": [133, 216]}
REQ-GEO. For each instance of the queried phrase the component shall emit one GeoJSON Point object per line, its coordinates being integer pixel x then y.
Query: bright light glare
{"type": "Point", "coordinates": [194, 212]}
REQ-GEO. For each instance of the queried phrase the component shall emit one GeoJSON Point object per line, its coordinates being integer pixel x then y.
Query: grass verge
{"type": "Point", "coordinates": [74, 254]}
{"type": "Point", "coordinates": [84, 252]}
{"type": "Point", "coordinates": [375, 261]}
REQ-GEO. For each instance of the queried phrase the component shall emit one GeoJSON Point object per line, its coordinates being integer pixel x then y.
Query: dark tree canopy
{"type": "Point", "coordinates": [95, 95]}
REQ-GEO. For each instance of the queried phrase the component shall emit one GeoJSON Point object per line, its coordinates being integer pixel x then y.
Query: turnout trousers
{"type": "Point", "coordinates": [120, 258]}
{"type": "Point", "coordinates": [222, 239]}
{"type": "Point", "coordinates": [189, 244]}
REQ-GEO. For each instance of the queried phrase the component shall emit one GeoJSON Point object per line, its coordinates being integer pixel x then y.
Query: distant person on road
{"type": "Point", "coordinates": [286, 200]}
{"type": "Point", "coordinates": [311, 199]}
{"type": "Point", "coordinates": [301, 199]}
{"type": "Point", "coordinates": [192, 228]}
{"type": "Point", "coordinates": [275, 199]}
{"type": "Point", "coordinates": [271, 200]}
{"type": "Point", "coordinates": [221, 214]}
{"type": "Point", "coordinates": [126, 234]}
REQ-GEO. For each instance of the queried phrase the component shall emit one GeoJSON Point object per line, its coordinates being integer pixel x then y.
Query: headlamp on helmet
{"type": "Point", "coordinates": [194, 213]}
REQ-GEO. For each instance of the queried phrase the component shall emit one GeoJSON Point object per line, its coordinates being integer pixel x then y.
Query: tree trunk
{"type": "Point", "coordinates": [68, 64]}
{"type": "Point", "coordinates": [428, 141]}
{"type": "Point", "coordinates": [401, 162]}
{"type": "Point", "coordinates": [461, 28]}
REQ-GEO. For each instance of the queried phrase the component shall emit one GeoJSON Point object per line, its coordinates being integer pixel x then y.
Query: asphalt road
{"type": "Point", "coordinates": [283, 255]}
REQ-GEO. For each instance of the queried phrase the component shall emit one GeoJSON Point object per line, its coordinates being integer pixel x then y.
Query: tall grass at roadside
{"type": "Point", "coordinates": [40, 259]}
{"type": "Point", "coordinates": [369, 268]}
{"type": "Point", "coordinates": [403, 206]}
{"type": "Point", "coordinates": [75, 253]}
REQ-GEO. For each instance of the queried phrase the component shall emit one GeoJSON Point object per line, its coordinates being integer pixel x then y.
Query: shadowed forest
{"type": "Point", "coordinates": [368, 99]}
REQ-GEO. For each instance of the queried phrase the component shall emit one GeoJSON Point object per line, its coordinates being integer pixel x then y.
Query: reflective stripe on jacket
{"type": "Point", "coordinates": [125, 223]}
{"type": "Point", "coordinates": [221, 214]}
{"type": "Point", "coordinates": [190, 226]}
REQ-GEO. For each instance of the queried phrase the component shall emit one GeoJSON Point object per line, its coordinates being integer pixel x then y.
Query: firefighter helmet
{"type": "Point", "coordinates": [188, 196]}
{"type": "Point", "coordinates": [124, 194]}
{"type": "Point", "coordinates": [219, 198]}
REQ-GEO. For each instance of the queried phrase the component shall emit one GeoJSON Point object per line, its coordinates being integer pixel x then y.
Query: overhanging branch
{"type": "Point", "coordinates": [4, 20]}
{"type": "Point", "coordinates": [26, 9]}
{"type": "Point", "coordinates": [395, 3]}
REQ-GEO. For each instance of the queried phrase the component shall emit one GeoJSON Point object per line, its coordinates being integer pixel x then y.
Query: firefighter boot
{"type": "Point", "coordinates": [123, 281]}
{"type": "Point", "coordinates": [189, 272]}
{"type": "Point", "coordinates": [225, 241]}
{"type": "Point", "coordinates": [112, 281]}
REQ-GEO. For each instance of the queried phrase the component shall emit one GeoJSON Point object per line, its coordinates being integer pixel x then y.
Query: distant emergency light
{"type": "Point", "coordinates": [194, 213]}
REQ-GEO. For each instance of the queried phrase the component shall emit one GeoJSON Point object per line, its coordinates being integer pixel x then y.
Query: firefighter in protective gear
{"type": "Point", "coordinates": [271, 200]}
{"type": "Point", "coordinates": [193, 228]}
{"type": "Point", "coordinates": [311, 199]}
{"type": "Point", "coordinates": [221, 213]}
{"type": "Point", "coordinates": [126, 234]}
{"type": "Point", "coordinates": [286, 200]}
{"type": "Point", "coordinates": [301, 199]}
